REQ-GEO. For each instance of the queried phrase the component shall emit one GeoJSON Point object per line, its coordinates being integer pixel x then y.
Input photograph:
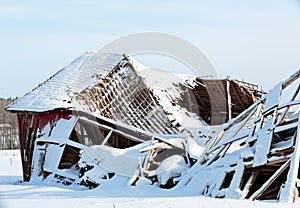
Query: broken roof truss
{"type": "Point", "coordinates": [107, 122]}
{"type": "Point", "coordinates": [257, 153]}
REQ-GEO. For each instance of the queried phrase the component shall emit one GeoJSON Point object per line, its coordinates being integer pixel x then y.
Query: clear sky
{"type": "Point", "coordinates": [254, 40]}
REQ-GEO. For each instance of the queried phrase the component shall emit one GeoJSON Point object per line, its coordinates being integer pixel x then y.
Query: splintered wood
{"type": "Point", "coordinates": [266, 138]}
{"type": "Point", "coordinates": [122, 95]}
{"type": "Point", "coordinates": [117, 125]}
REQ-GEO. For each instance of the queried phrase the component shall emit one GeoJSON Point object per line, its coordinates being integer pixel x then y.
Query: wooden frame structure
{"type": "Point", "coordinates": [219, 100]}
{"type": "Point", "coordinates": [257, 153]}
{"type": "Point", "coordinates": [100, 99]}
{"type": "Point", "coordinates": [55, 155]}
{"type": "Point", "coordinates": [123, 95]}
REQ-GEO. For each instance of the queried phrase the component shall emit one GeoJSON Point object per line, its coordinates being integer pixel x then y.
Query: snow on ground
{"type": "Point", "coordinates": [11, 167]}
{"type": "Point", "coordinates": [13, 193]}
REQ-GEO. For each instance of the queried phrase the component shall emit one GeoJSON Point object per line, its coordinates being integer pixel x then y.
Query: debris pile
{"type": "Point", "coordinates": [256, 155]}
{"type": "Point", "coordinates": [101, 118]}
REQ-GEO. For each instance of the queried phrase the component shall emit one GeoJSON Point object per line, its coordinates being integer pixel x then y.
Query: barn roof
{"type": "Point", "coordinates": [57, 91]}
{"type": "Point", "coordinates": [115, 86]}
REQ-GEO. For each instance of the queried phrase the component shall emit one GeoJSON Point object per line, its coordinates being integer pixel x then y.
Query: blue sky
{"type": "Point", "coordinates": [258, 41]}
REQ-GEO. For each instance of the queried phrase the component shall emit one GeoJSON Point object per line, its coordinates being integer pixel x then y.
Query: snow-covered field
{"type": "Point", "coordinates": [13, 193]}
{"type": "Point", "coordinates": [11, 167]}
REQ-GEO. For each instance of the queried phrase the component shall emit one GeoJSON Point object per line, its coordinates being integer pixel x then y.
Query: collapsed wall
{"type": "Point", "coordinates": [99, 118]}
{"type": "Point", "coordinates": [256, 156]}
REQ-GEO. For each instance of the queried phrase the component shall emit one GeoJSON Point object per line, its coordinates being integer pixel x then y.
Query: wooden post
{"type": "Point", "coordinates": [287, 194]}
{"type": "Point", "coordinates": [233, 190]}
{"type": "Point", "coordinates": [228, 99]}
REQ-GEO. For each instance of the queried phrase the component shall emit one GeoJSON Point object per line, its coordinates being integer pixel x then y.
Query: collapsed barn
{"type": "Point", "coordinates": [256, 155]}
{"type": "Point", "coordinates": [97, 118]}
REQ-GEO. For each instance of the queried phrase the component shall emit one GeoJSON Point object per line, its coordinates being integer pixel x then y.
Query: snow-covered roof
{"type": "Point", "coordinates": [58, 90]}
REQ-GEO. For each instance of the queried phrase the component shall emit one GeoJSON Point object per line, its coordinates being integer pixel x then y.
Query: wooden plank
{"type": "Point", "coordinates": [236, 180]}
{"type": "Point", "coordinates": [237, 93]}
{"type": "Point", "coordinates": [249, 183]}
{"type": "Point", "coordinates": [263, 144]}
{"type": "Point", "coordinates": [233, 137]}
{"type": "Point", "coordinates": [215, 142]}
{"type": "Point", "coordinates": [216, 154]}
{"type": "Point", "coordinates": [279, 161]}
{"type": "Point", "coordinates": [288, 105]}
{"type": "Point", "coordinates": [287, 193]}
{"type": "Point", "coordinates": [229, 99]}
{"type": "Point", "coordinates": [107, 137]}
{"type": "Point", "coordinates": [291, 79]}
{"type": "Point", "coordinates": [285, 127]}
{"type": "Point", "coordinates": [273, 98]}
{"type": "Point", "coordinates": [241, 116]}
{"type": "Point", "coordinates": [269, 182]}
